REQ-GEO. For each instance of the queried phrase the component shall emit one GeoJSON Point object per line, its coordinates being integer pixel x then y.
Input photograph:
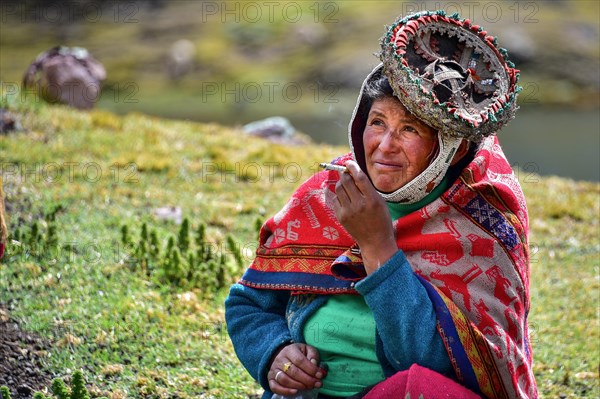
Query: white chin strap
{"type": "Point", "coordinates": [418, 188]}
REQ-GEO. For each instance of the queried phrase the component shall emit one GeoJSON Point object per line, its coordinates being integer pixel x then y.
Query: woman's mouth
{"type": "Point", "coordinates": [387, 165]}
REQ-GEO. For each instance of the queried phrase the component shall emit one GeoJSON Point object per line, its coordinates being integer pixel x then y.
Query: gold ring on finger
{"type": "Point", "coordinates": [287, 366]}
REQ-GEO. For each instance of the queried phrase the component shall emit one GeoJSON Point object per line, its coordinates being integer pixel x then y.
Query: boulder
{"type": "Point", "coordinates": [272, 127]}
{"type": "Point", "coordinates": [67, 75]}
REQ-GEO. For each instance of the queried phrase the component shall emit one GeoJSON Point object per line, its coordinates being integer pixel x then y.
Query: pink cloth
{"type": "Point", "coordinates": [419, 383]}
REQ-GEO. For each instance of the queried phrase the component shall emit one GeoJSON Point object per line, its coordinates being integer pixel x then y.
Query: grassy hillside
{"type": "Point", "coordinates": [80, 177]}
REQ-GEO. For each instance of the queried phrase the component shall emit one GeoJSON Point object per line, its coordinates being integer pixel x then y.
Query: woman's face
{"type": "Point", "coordinates": [398, 147]}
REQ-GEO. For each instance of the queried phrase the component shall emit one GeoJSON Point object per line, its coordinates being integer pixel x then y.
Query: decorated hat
{"type": "Point", "coordinates": [450, 74]}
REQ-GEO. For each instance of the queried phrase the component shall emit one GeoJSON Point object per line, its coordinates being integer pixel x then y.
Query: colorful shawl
{"type": "Point", "coordinates": [468, 247]}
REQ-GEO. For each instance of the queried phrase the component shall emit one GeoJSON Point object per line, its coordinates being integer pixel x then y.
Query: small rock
{"type": "Point", "coordinates": [274, 126]}
{"type": "Point", "coordinates": [8, 122]}
{"type": "Point", "coordinates": [61, 68]}
{"type": "Point", "coordinates": [586, 375]}
{"type": "Point", "coordinates": [169, 213]}
{"type": "Point", "coordinates": [24, 389]}
{"type": "Point", "coordinates": [180, 59]}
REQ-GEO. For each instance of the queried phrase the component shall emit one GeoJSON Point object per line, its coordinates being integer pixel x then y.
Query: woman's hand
{"type": "Point", "coordinates": [295, 367]}
{"type": "Point", "coordinates": [364, 214]}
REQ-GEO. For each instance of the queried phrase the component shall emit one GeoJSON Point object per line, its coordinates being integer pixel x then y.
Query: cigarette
{"type": "Point", "coordinates": [330, 166]}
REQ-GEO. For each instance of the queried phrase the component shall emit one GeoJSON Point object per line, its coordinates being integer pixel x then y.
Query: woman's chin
{"type": "Point", "coordinates": [388, 182]}
{"type": "Point", "coordinates": [388, 188]}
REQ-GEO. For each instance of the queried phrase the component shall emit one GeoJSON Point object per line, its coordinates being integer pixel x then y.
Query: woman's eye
{"type": "Point", "coordinates": [410, 129]}
{"type": "Point", "coordinates": [376, 122]}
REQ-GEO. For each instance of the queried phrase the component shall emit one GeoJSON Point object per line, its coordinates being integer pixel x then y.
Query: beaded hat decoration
{"type": "Point", "coordinates": [450, 74]}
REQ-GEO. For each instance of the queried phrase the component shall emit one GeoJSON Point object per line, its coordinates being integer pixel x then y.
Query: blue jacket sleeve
{"type": "Point", "coordinates": [257, 327]}
{"type": "Point", "coordinates": [405, 317]}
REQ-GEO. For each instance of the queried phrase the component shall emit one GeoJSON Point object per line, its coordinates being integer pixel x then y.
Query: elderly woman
{"type": "Point", "coordinates": [407, 272]}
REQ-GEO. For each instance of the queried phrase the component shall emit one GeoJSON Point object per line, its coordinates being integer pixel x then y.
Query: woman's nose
{"type": "Point", "coordinates": [389, 142]}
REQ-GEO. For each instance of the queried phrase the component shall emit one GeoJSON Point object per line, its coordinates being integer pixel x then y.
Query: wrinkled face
{"type": "Point", "coordinates": [398, 146]}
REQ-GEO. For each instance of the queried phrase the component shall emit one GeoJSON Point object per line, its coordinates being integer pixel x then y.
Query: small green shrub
{"type": "Point", "coordinates": [258, 224]}
{"type": "Point", "coordinates": [235, 251]}
{"type": "Point", "coordinates": [78, 389]}
{"type": "Point", "coordinates": [4, 392]}
{"type": "Point", "coordinates": [59, 389]}
{"type": "Point", "coordinates": [184, 262]}
{"type": "Point", "coordinates": [39, 242]}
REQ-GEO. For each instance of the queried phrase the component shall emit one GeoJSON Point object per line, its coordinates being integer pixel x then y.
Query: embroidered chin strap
{"type": "Point", "coordinates": [430, 178]}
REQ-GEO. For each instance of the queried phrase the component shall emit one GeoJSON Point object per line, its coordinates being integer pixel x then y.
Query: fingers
{"type": "Point", "coordinates": [355, 185]}
{"type": "Point", "coordinates": [276, 387]}
{"type": "Point", "coordinates": [281, 383]}
{"type": "Point", "coordinates": [354, 190]}
{"type": "Point", "coordinates": [312, 354]}
{"type": "Point", "coordinates": [360, 179]}
{"type": "Point", "coordinates": [304, 366]}
{"type": "Point", "coordinates": [359, 208]}
{"type": "Point", "coordinates": [352, 167]}
{"type": "Point", "coordinates": [294, 378]}
{"type": "Point", "coordinates": [295, 367]}
{"type": "Point", "coordinates": [346, 188]}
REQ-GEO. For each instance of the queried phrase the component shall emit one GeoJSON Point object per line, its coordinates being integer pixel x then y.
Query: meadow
{"type": "Point", "coordinates": [136, 328]}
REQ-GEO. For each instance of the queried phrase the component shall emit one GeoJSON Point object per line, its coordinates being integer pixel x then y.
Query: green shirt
{"type": "Point", "coordinates": [343, 330]}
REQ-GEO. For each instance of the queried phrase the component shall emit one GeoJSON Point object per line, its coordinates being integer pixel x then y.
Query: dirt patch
{"type": "Point", "coordinates": [20, 358]}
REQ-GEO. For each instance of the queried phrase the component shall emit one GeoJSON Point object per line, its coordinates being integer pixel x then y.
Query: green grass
{"type": "Point", "coordinates": [127, 333]}
{"type": "Point", "coordinates": [565, 285]}
{"type": "Point", "coordinates": [134, 337]}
